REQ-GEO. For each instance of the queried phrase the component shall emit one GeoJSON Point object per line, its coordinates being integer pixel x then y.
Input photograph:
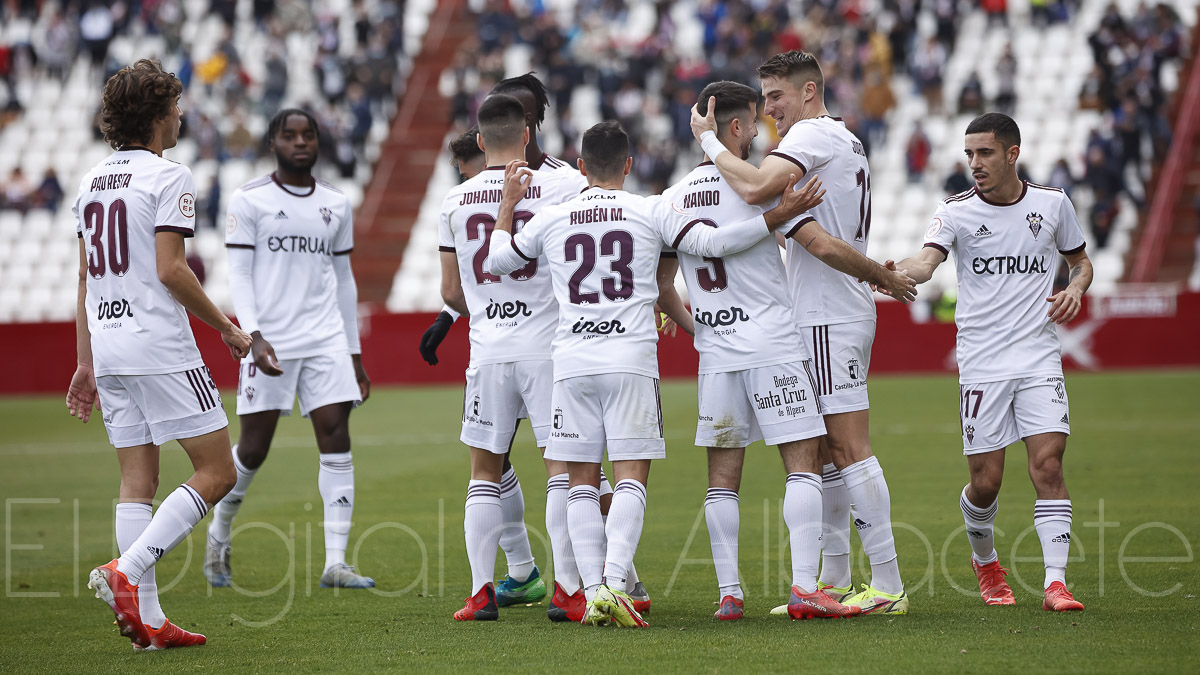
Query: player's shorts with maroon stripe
{"type": "Point", "coordinates": [141, 409]}
{"type": "Point", "coordinates": [841, 357]}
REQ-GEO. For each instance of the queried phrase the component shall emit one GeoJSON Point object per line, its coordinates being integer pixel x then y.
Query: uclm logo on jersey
{"type": "Point", "coordinates": [1035, 223]}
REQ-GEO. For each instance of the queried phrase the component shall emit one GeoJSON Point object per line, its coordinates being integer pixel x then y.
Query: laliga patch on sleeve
{"type": "Point", "coordinates": [187, 205]}
{"type": "Point", "coordinates": [935, 226]}
{"type": "Point", "coordinates": [230, 224]}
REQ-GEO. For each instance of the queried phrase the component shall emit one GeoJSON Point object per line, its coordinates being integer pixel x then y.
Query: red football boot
{"type": "Point", "coordinates": [992, 586]}
{"type": "Point", "coordinates": [481, 607]}
{"type": "Point", "coordinates": [817, 605]}
{"type": "Point", "coordinates": [170, 636]}
{"type": "Point", "coordinates": [1059, 599]}
{"type": "Point", "coordinates": [565, 607]}
{"type": "Point", "coordinates": [114, 588]}
{"type": "Point", "coordinates": [731, 609]}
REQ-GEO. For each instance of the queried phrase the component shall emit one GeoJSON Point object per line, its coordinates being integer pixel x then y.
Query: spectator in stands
{"type": "Point", "coordinates": [212, 202]}
{"type": "Point", "coordinates": [916, 153]}
{"type": "Point", "coordinates": [959, 180]}
{"type": "Point", "coordinates": [997, 12]}
{"type": "Point", "coordinates": [207, 137]}
{"type": "Point", "coordinates": [96, 30]}
{"type": "Point", "coordinates": [1061, 177]}
{"type": "Point", "coordinates": [927, 73]}
{"type": "Point", "coordinates": [49, 193]}
{"type": "Point", "coordinates": [17, 191]}
{"type": "Point", "coordinates": [1128, 125]}
{"type": "Point", "coordinates": [1106, 183]}
{"type": "Point", "coordinates": [877, 100]}
{"type": "Point", "coordinates": [239, 142]}
{"type": "Point", "coordinates": [56, 44]}
{"type": "Point", "coordinates": [970, 98]}
{"type": "Point", "coordinates": [1006, 77]}
{"type": "Point", "coordinates": [1096, 92]}
{"type": "Point", "coordinates": [360, 113]}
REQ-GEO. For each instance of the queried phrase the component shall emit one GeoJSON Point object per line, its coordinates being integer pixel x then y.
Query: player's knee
{"type": "Point", "coordinates": [985, 486]}
{"type": "Point", "coordinates": [1046, 472]}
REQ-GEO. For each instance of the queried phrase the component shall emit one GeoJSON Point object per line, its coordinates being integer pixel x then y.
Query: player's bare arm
{"type": "Point", "coordinates": [1065, 304]}
{"type": "Point", "coordinates": [174, 273]}
{"type": "Point", "coordinates": [452, 290]}
{"type": "Point", "coordinates": [846, 259]}
{"type": "Point", "coordinates": [669, 302]}
{"type": "Point", "coordinates": [753, 184]}
{"type": "Point", "coordinates": [517, 179]}
{"type": "Point", "coordinates": [81, 393]}
{"type": "Point", "coordinates": [920, 267]}
{"type": "Point", "coordinates": [347, 298]}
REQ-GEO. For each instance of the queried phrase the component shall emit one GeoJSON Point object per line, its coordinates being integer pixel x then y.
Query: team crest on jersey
{"type": "Point", "coordinates": [852, 365]}
{"type": "Point", "coordinates": [558, 418]}
{"type": "Point", "coordinates": [1035, 223]}
{"type": "Point", "coordinates": [326, 215]}
{"type": "Point", "coordinates": [969, 432]}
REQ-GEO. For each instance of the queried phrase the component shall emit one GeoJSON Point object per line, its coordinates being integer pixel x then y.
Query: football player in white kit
{"type": "Point", "coordinates": [1007, 235]}
{"type": "Point", "coordinates": [135, 347]}
{"type": "Point", "coordinates": [510, 374]}
{"type": "Point", "coordinates": [289, 238]}
{"type": "Point", "coordinates": [603, 253]}
{"type": "Point", "coordinates": [755, 374]}
{"type": "Point", "coordinates": [834, 312]}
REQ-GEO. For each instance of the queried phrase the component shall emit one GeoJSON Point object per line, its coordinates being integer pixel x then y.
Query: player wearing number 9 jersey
{"type": "Point", "coordinates": [135, 347]}
{"type": "Point", "coordinates": [603, 249]}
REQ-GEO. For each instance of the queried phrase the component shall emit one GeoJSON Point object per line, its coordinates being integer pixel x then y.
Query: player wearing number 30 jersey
{"type": "Point", "coordinates": [603, 251]}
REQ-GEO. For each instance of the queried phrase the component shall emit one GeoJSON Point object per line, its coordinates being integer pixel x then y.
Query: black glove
{"type": "Point", "coordinates": [433, 337]}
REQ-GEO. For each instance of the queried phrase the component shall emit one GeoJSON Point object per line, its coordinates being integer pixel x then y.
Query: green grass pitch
{"type": "Point", "coordinates": [1131, 465]}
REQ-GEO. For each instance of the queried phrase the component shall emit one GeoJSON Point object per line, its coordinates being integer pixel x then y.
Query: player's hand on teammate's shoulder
{"type": "Point", "coordinates": [360, 374]}
{"type": "Point", "coordinates": [517, 177]}
{"type": "Point", "coordinates": [702, 123]}
{"type": "Point", "coordinates": [1065, 305]}
{"type": "Point", "coordinates": [237, 340]}
{"type": "Point", "coordinates": [796, 201]}
{"type": "Point", "coordinates": [81, 393]}
{"type": "Point", "coordinates": [264, 356]}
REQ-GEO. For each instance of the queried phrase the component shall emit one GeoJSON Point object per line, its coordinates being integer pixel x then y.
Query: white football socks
{"type": "Point", "coordinates": [623, 529]}
{"type": "Point", "coordinates": [171, 524]}
{"type": "Point", "coordinates": [979, 522]}
{"type": "Point", "coordinates": [723, 518]}
{"type": "Point", "coordinates": [1052, 520]}
{"type": "Point", "coordinates": [132, 520]}
{"type": "Point", "coordinates": [482, 525]}
{"type": "Point", "coordinates": [514, 540]}
{"type": "Point", "coordinates": [221, 527]}
{"type": "Point", "coordinates": [802, 515]}
{"type": "Point", "coordinates": [587, 535]}
{"type": "Point", "coordinates": [566, 574]}
{"type": "Point", "coordinates": [835, 536]}
{"type": "Point", "coordinates": [335, 481]}
{"type": "Point", "coordinates": [873, 517]}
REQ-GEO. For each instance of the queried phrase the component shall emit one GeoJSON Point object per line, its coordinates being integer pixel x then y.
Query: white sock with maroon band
{"type": "Point", "coordinates": [587, 535]}
{"type": "Point", "coordinates": [171, 524]}
{"type": "Point", "coordinates": [722, 515]}
{"type": "Point", "coordinates": [482, 524]}
{"type": "Point", "coordinates": [132, 520]}
{"type": "Point", "coordinates": [979, 521]}
{"type": "Point", "coordinates": [835, 536]}
{"type": "Point", "coordinates": [802, 515]}
{"type": "Point", "coordinates": [624, 529]}
{"type": "Point", "coordinates": [335, 482]}
{"type": "Point", "coordinates": [873, 517]}
{"type": "Point", "coordinates": [221, 527]}
{"type": "Point", "coordinates": [1052, 520]}
{"type": "Point", "coordinates": [566, 574]}
{"type": "Point", "coordinates": [514, 540]}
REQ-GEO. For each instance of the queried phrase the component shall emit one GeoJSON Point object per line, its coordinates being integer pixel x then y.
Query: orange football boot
{"type": "Point", "coordinates": [1059, 599]}
{"type": "Point", "coordinates": [480, 607]}
{"type": "Point", "coordinates": [114, 588]}
{"type": "Point", "coordinates": [992, 586]}
{"type": "Point", "coordinates": [817, 605]}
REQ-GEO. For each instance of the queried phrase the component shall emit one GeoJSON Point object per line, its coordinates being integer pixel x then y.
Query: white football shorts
{"type": "Point", "coordinates": [141, 409]}
{"type": "Point", "coordinates": [320, 381]}
{"type": "Point", "coordinates": [996, 414]}
{"type": "Point", "coordinates": [775, 404]}
{"type": "Point", "coordinates": [618, 411]}
{"type": "Point", "coordinates": [841, 356]}
{"type": "Point", "coordinates": [498, 394]}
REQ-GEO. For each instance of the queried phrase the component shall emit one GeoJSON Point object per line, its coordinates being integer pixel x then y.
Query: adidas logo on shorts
{"type": "Point", "coordinates": [1064, 419]}
{"type": "Point", "coordinates": [983, 231]}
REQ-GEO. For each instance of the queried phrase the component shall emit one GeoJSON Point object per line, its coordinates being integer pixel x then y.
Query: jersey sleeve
{"type": "Point", "coordinates": [445, 231]}
{"type": "Point", "coordinates": [240, 222]}
{"type": "Point", "coordinates": [1069, 236]}
{"type": "Point", "coordinates": [508, 253]}
{"type": "Point", "coordinates": [684, 231]}
{"type": "Point", "coordinates": [75, 209]}
{"type": "Point", "coordinates": [343, 242]}
{"type": "Point", "coordinates": [803, 148]}
{"type": "Point", "coordinates": [176, 201]}
{"type": "Point", "coordinates": [940, 232]}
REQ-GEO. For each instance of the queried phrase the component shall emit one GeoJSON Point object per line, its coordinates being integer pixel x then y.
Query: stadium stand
{"type": "Point", "coordinates": [887, 70]}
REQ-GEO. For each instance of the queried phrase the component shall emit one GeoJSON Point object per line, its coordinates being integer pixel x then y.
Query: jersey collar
{"type": "Point", "coordinates": [294, 194]}
{"type": "Point", "coordinates": [1024, 189]}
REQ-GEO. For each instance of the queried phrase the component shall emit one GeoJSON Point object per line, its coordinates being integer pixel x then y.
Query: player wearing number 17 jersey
{"type": "Point", "coordinates": [602, 249]}
{"type": "Point", "coordinates": [135, 346]}
{"type": "Point", "coordinates": [1007, 235]}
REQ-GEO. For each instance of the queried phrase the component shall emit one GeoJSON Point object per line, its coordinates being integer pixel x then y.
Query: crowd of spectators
{"type": "Point", "coordinates": [19, 193]}
{"type": "Point", "coordinates": [355, 85]}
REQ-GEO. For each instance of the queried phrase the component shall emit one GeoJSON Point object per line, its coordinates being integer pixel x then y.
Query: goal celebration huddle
{"type": "Point", "coordinates": [566, 281]}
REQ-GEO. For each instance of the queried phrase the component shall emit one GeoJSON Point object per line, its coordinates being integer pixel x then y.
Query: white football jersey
{"type": "Point", "coordinates": [294, 237]}
{"type": "Point", "coordinates": [137, 326]}
{"type": "Point", "coordinates": [822, 295]}
{"type": "Point", "coordinates": [603, 249]}
{"type": "Point", "coordinates": [740, 303]}
{"type": "Point", "coordinates": [1006, 258]}
{"type": "Point", "coordinates": [513, 316]}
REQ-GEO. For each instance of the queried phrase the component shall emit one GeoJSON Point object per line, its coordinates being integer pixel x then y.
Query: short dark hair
{"type": "Point", "coordinates": [1001, 125]}
{"type": "Point", "coordinates": [133, 99]}
{"type": "Point", "coordinates": [530, 83]}
{"type": "Point", "coordinates": [794, 65]}
{"type": "Point", "coordinates": [604, 149]}
{"type": "Point", "coordinates": [733, 100]}
{"type": "Point", "coordinates": [465, 147]}
{"type": "Point", "coordinates": [281, 117]}
{"type": "Point", "coordinates": [501, 120]}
